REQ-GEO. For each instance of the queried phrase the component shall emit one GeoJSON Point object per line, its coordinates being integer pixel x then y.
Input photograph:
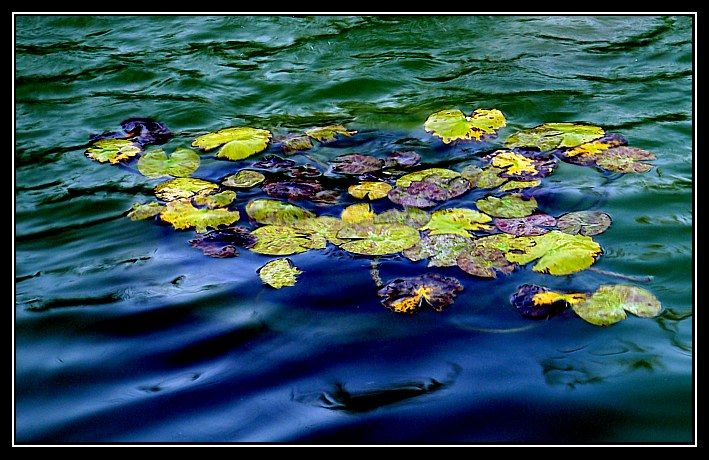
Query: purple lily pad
{"type": "Point", "coordinates": [141, 131]}
{"type": "Point", "coordinates": [356, 163]}
{"type": "Point", "coordinates": [484, 262]}
{"type": "Point", "coordinates": [222, 243]}
{"type": "Point", "coordinates": [273, 163]}
{"type": "Point", "coordinates": [536, 224]}
{"type": "Point", "coordinates": [326, 196]}
{"type": "Point", "coordinates": [292, 190]}
{"type": "Point", "coordinates": [402, 159]}
{"type": "Point", "coordinates": [430, 191]}
{"type": "Point", "coordinates": [523, 300]}
{"type": "Point", "coordinates": [406, 295]}
{"type": "Point", "coordinates": [303, 172]}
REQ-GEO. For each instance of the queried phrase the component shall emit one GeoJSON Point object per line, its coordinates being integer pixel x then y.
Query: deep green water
{"type": "Point", "coordinates": [125, 333]}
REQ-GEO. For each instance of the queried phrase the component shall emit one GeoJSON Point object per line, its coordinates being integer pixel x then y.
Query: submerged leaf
{"type": "Point", "coordinates": [538, 302]}
{"type": "Point", "coordinates": [377, 239]}
{"type": "Point", "coordinates": [273, 163]}
{"type": "Point", "coordinates": [441, 250]}
{"type": "Point", "coordinates": [507, 206]}
{"type": "Point", "coordinates": [550, 136]}
{"type": "Point", "coordinates": [296, 143]}
{"type": "Point", "coordinates": [370, 190]}
{"type": "Point", "coordinates": [456, 221]}
{"type": "Point", "coordinates": [183, 187]}
{"type": "Point", "coordinates": [112, 150]}
{"type": "Point", "coordinates": [181, 215]}
{"type": "Point", "coordinates": [488, 177]}
{"type": "Point", "coordinates": [238, 143]}
{"type": "Point", "coordinates": [450, 125]}
{"type": "Point", "coordinates": [357, 213]}
{"type": "Point", "coordinates": [279, 273]}
{"type": "Point", "coordinates": [303, 172]}
{"type": "Point", "coordinates": [292, 190]}
{"type": "Point", "coordinates": [328, 133]}
{"type": "Point", "coordinates": [144, 211]}
{"type": "Point", "coordinates": [265, 211]}
{"type": "Point", "coordinates": [279, 240]}
{"type": "Point", "coordinates": [155, 163]}
{"type": "Point", "coordinates": [413, 217]}
{"type": "Point", "coordinates": [222, 243]}
{"type": "Point", "coordinates": [536, 224]}
{"type": "Point", "coordinates": [217, 200]}
{"type": "Point", "coordinates": [587, 223]}
{"type": "Point", "coordinates": [406, 295]}
{"type": "Point", "coordinates": [558, 253]}
{"type": "Point", "coordinates": [402, 159]}
{"type": "Point", "coordinates": [355, 163]}
{"type": "Point", "coordinates": [484, 262]}
{"type": "Point", "coordinates": [609, 303]}
{"type": "Point", "coordinates": [625, 160]}
{"type": "Point", "coordinates": [244, 179]}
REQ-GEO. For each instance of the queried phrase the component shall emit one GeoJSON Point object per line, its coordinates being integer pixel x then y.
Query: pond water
{"type": "Point", "coordinates": [126, 333]}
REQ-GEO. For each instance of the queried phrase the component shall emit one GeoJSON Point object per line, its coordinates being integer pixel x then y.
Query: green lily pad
{"type": "Point", "coordinates": [329, 133]}
{"type": "Point", "coordinates": [322, 226]}
{"type": "Point", "coordinates": [625, 160]}
{"type": "Point", "coordinates": [488, 177]}
{"type": "Point", "coordinates": [503, 242]}
{"type": "Point", "coordinates": [144, 211]}
{"type": "Point", "coordinates": [378, 239]}
{"type": "Point", "coordinates": [519, 185]}
{"type": "Point", "coordinates": [507, 206]}
{"type": "Point", "coordinates": [407, 295]}
{"type": "Point", "coordinates": [587, 223]}
{"type": "Point", "coordinates": [245, 178]}
{"type": "Point", "coordinates": [558, 253]}
{"type": "Point", "coordinates": [456, 221]}
{"type": "Point", "coordinates": [279, 240]}
{"type": "Point", "coordinates": [484, 262]}
{"type": "Point", "coordinates": [181, 215]}
{"type": "Point", "coordinates": [406, 180]}
{"type": "Point", "coordinates": [550, 136]}
{"type": "Point", "coordinates": [413, 217]}
{"type": "Point", "coordinates": [450, 125]}
{"type": "Point", "coordinates": [265, 211]}
{"type": "Point", "coordinates": [357, 213]}
{"type": "Point", "coordinates": [238, 143]}
{"type": "Point", "coordinates": [183, 187]}
{"type": "Point", "coordinates": [217, 200]}
{"type": "Point", "coordinates": [279, 273]}
{"type": "Point", "coordinates": [112, 150]}
{"type": "Point", "coordinates": [370, 190]}
{"type": "Point", "coordinates": [155, 163]}
{"type": "Point", "coordinates": [609, 303]}
{"type": "Point", "coordinates": [441, 250]}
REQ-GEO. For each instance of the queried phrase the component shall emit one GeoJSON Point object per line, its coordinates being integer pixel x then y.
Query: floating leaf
{"type": "Point", "coordinates": [279, 273]}
{"type": "Point", "coordinates": [610, 302]}
{"type": "Point", "coordinates": [488, 177]}
{"type": "Point", "coordinates": [326, 196]}
{"type": "Point", "coordinates": [276, 212]}
{"type": "Point", "coordinates": [518, 185]}
{"type": "Point", "coordinates": [156, 163]}
{"type": "Point", "coordinates": [538, 302]}
{"type": "Point", "coordinates": [536, 224]}
{"type": "Point", "coordinates": [238, 143]}
{"type": "Point", "coordinates": [378, 239]}
{"type": "Point", "coordinates": [146, 131]}
{"type": "Point", "coordinates": [181, 215]}
{"type": "Point", "coordinates": [450, 125]}
{"type": "Point", "coordinates": [183, 187]}
{"type": "Point", "coordinates": [558, 253]}
{"type": "Point", "coordinates": [370, 190]}
{"type": "Point", "coordinates": [518, 166]}
{"type": "Point", "coordinates": [356, 164]}
{"type": "Point", "coordinates": [507, 206]}
{"type": "Point", "coordinates": [323, 226]}
{"type": "Point", "coordinates": [144, 211]}
{"type": "Point", "coordinates": [292, 190]}
{"type": "Point", "coordinates": [413, 217]}
{"type": "Point", "coordinates": [112, 150]}
{"type": "Point", "coordinates": [273, 163]}
{"type": "Point", "coordinates": [279, 240]}
{"type": "Point", "coordinates": [303, 172]}
{"type": "Point", "coordinates": [357, 213]}
{"type": "Point", "coordinates": [431, 190]}
{"type": "Point", "coordinates": [484, 262]}
{"type": "Point", "coordinates": [504, 242]}
{"type": "Point", "coordinates": [625, 160]}
{"type": "Point", "coordinates": [217, 200]}
{"type": "Point", "coordinates": [244, 179]}
{"type": "Point", "coordinates": [441, 250]}
{"type": "Point", "coordinates": [328, 133]}
{"type": "Point", "coordinates": [456, 221]}
{"type": "Point", "coordinates": [550, 136]}
{"type": "Point", "coordinates": [296, 143]}
{"type": "Point", "coordinates": [586, 154]}
{"type": "Point", "coordinates": [406, 295]}
{"type": "Point", "coordinates": [406, 180]}
{"type": "Point", "coordinates": [587, 223]}
{"type": "Point", "coordinates": [222, 243]}
{"type": "Point", "coordinates": [402, 159]}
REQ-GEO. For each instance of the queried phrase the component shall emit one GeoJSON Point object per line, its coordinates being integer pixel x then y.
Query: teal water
{"type": "Point", "coordinates": [125, 333]}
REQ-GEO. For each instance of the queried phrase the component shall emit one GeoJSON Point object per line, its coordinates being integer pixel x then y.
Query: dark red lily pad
{"type": "Point", "coordinates": [303, 172]}
{"type": "Point", "coordinates": [402, 159]}
{"type": "Point", "coordinates": [326, 196]}
{"type": "Point", "coordinates": [356, 163]}
{"type": "Point", "coordinates": [523, 300]}
{"type": "Point", "coordinates": [430, 191]}
{"type": "Point", "coordinates": [292, 190]}
{"type": "Point", "coordinates": [536, 224]}
{"type": "Point", "coordinates": [484, 262]}
{"type": "Point", "coordinates": [141, 131]}
{"type": "Point", "coordinates": [406, 295]}
{"type": "Point", "coordinates": [273, 163]}
{"type": "Point", "coordinates": [222, 243]}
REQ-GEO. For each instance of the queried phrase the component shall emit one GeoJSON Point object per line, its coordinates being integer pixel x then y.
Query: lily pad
{"type": "Point", "coordinates": [156, 163]}
{"type": "Point", "coordinates": [586, 154]}
{"type": "Point", "coordinates": [484, 262]}
{"type": "Point", "coordinates": [519, 185]}
{"type": "Point", "coordinates": [322, 226]}
{"type": "Point", "coordinates": [144, 211]}
{"type": "Point", "coordinates": [507, 206]}
{"type": "Point", "coordinates": [406, 180]}
{"type": "Point", "coordinates": [450, 125]}
{"type": "Point", "coordinates": [587, 223]}
{"type": "Point", "coordinates": [222, 243]}
{"type": "Point", "coordinates": [536, 224]}
{"type": "Point", "coordinates": [625, 160]}
{"type": "Point", "coordinates": [356, 164]}
{"type": "Point", "coordinates": [377, 239]}
{"type": "Point", "coordinates": [183, 187]}
{"type": "Point", "coordinates": [326, 196]}
{"type": "Point", "coordinates": [303, 172]}
{"type": "Point", "coordinates": [275, 212]}
{"type": "Point", "coordinates": [369, 190]}
{"type": "Point", "coordinates": [429, 191]}
{"type": "Point", "coordinates": [217, 200]}
{"type": "Point", "coordinates": [609, 304]}
{"type": "Point", "coordinates": [406, 295]}
{"type": "Point", "coordinates": [273, 163]}
{"type": "Point", "coordinates": [456, 221]}
{"type": "Point", "coordinates": [182, 215]}
{"type": "Point", "coordinates": [238, 143]}
{"type": "Point", "coordinates": [518, 166]}
{"type": "Point", "coordinates": [402, 159]}
{"type": "Point", "coordinates": [413, 217]}
{"type": "Point", "coordinates": [244, 179]}
{"type": "Point", "coordinates": [292, 190]}
{"type": "Point", "coordinates": [279, 273]}
{"type": "Point", "coordinates": [329, 133]}
{"type": "Point", "coordinates": [146, 131]}
{"type": "Point", "coordinates": [112, 150]}
{"type": "Point", "coordinates": [279, 240]}
{"type": "Point", "coordinates": [558, 253]}
{"type": "Point", "coordinates": [441, 250]}
{"type": "Point", "coordinates": [357, 213]}
{"type": "Point", "coordinates": [550, 136]}
{"type": "Point", "coordinates": [538, 302]}
{"type": "Point", "coordinates": [488, 177]}
{"type": "Point", "coordinates": [292, 144]}
{"type": "Point", "coordinates": [504, 242]}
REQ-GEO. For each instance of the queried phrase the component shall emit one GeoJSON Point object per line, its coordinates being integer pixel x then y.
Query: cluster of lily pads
{"type": "Point", "coordinates": [492, 237]}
